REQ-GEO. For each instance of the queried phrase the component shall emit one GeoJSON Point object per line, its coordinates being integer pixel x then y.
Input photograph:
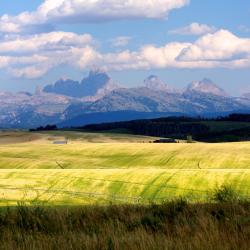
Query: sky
{"type": "Point", "coordinates": [179, 40]}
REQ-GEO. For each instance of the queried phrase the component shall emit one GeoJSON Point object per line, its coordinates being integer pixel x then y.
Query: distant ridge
{"type": "Point", "coordinates": [98, 98]}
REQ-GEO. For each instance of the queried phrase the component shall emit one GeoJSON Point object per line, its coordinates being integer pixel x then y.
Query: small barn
{"type": "Point", "coordinates": [60, 142]}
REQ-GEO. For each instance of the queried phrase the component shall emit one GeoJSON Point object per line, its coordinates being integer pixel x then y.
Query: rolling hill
{"type": "Point", "coordinates": [102, 168]}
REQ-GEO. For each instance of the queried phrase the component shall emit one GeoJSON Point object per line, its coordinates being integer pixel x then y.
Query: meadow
{"type": "Point", "coordinates": [103, 168]}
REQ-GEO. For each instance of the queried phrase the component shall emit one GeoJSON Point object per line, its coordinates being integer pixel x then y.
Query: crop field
{"type": "Point", "coordinates": [104, 168]}
{"type": "Point", "coordinates": [67, 187]}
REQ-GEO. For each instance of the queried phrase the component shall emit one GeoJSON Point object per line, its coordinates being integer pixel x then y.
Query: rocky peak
{"type": "Point", "coordinates": [96, 84]}
{"type": "Point", "coordinates": [206, 86]}
{"type": "Point", "coordinates": [155, 83]}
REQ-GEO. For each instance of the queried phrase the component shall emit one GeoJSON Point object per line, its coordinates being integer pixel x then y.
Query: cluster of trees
{"type": "Point", "coordinates": [45, 128]}
{"type": "Point", "coordinates": [156, 127]}
{"type": "Point", "coordinates": [181, 127]}
{"type": "Point", "coordinates": [235, 118]}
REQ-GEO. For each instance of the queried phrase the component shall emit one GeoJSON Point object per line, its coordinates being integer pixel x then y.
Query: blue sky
{"type": "Point", "coordinates": [132, 44]}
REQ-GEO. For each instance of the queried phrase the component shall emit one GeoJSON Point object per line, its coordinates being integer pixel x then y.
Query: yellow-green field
{"type": "Point", "coordinates": [115, 167]}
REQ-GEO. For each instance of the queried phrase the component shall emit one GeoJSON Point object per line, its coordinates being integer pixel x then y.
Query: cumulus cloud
{"type": "Point", "coordinates": [194, 29]}
{"type": "Point", "coordinates": [43, 42]}
{"type": "Point", "coordinates": [34, 55]}
{"type": "Point", "coordinates": [68, 11]}
{"type": "Point", "coordinates": [220, 46]}
{"type": "Point", "coordinates": [220, 49]}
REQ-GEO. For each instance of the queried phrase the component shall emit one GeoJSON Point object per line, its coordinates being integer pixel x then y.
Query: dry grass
{"type": "Point", "coordinates": [174, 225]}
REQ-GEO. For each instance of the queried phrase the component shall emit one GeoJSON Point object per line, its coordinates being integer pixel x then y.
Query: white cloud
{"type": "Point", "coordinates": [29, 72]}
{"type": "Point", "coordinates": [220, 46]}
{"type": "Point", "coordinates": [68, 11]}
{"type": "Point", "coordinates": [32, 56]}
{"type": "Point", "coordinates": [194, 29]}
{"type": "Point", "coordinates": [43, 42]}
{"type": "Point", "coordinates": [221, 49]}
{"type": "Point", "coordinates": [120, 41]}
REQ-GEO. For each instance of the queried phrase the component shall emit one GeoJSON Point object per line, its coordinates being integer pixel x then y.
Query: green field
{"type": "Point", "coordinates": [116, 168]}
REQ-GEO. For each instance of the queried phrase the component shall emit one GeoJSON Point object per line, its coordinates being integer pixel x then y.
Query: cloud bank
{"type": "Point", "coordinates": [32, 56]}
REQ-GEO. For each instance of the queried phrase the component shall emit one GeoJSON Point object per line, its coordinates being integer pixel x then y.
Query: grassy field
{"type": "Point", "coordinates": [175, 225]}
{"type": "Point", "coordinates": [75, 187]}
{"type": "Point", "coordinates": [43, 154]}
{"type": "Point", "coordinates": [120, 168]}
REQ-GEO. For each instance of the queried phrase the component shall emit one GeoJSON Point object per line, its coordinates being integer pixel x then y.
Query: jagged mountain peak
{"type": "Point", "coordinates": [97, 78]}
{"type": "Point", "coordinates": [94, 86]}
{"type": "Point", "coordinates": [206, 86]}
{"type": "Point", "coordinates": [155, 83]}
{"type": "Point", "coordinates": [97, 84]}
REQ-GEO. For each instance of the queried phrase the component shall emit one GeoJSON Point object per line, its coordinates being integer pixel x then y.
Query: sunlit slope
{"type": "Point", "coordinates": [116, 168]}
{"type": "Point", "coordinates": [137, 185]}
{"type": "Point", "coordinates": [45, 155]}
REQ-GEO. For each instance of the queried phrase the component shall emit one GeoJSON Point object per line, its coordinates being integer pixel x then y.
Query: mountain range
{"type": "Point", "coordinates": [97, 98]}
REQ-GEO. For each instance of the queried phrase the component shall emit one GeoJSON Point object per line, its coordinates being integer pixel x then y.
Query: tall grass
{"type": "Point", "coordinates": [173, 225]}
{"type": "Point", "coordinates": [225, 193]}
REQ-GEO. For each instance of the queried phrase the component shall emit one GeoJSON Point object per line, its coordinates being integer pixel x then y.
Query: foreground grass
{"type": "Point", "coordinates": [75, 187]}
{"type": "Point", "coordinates": [174, 225]}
